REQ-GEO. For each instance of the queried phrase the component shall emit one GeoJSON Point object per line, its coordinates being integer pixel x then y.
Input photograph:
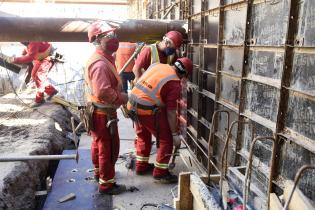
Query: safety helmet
{"type": "Point", "coordinates": [97, 28]}
{"type": "Point", "coordinates": [184, 65]}
{"type": "Point", "coordinates": [176, 37]}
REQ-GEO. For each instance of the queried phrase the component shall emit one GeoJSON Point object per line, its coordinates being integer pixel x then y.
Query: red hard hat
{"type": "Point", "coordinates": [176, 37]}
{"type": "Point", "coordinates": [188, 65]}
{"type": "Point", "coordinates": [97, 28]}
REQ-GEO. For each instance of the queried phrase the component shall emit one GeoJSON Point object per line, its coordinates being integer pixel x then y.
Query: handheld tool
{"type": "Point", "coordinates": [112, 132]}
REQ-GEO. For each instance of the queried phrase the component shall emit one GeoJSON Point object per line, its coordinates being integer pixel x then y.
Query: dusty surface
{"type": "Point", "coordinates": [149, 191]}
{"type": "Point", "coordinates": [24, 131]}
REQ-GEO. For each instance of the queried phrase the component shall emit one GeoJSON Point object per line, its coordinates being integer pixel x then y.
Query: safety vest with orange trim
{"type": "Point", "coordinates": [155, 55]}
{"type": "Point", "coordinates": [146, 95]}
{"type": "Point", "coordinates": [124, 52]}
{"type": "Point", "coordinates": [88, 86]}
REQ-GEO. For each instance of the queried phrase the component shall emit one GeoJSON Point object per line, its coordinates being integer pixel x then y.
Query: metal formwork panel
{"type": "Point", "coordinates": [195, 24]}
{"type": "Point", "coordinates": [256, 59]}
{"type": "Point", "coordinates": [211, 28]}
{"type": "Point", "coordinates": [230, 90]}
{"type": "Point", "coordinates": [196, 6]}
{"type": "Point", "coordinates": [211, 4]}
{"type": "Point", "coordinates": [234, 25]}
{"type": "Point", "coordinates": [210, 59]}
{"type": "Point", "coordinates": [270, 22]}
{"type": "Point", "coordinates": [232, 60]}
{"type": "Point", "coordinates": [303, 73]}
{"type": "Point", "coordinates": [266, 63]}
{"type": "Point", "coordinates": [301, 115]}
{"type": "Point", "coordinates": [262, 100]}
{"type": "Point", "coordinates": [306, 24]}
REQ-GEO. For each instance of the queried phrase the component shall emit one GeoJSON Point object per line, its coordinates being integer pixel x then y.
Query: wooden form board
{"type": "Point", "coordinates": [298, 201]}
{"type": "Point", "coordinates": [194, 194]}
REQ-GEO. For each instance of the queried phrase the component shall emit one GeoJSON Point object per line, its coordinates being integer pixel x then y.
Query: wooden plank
{"type": "Point", "coordinates": [203, 199]}
{"type": "Point", "coordinates": [275, 202]}
{"type": "Point", "coordinates": [176, 203]}
{"type": "Point", "coordinates": [298, 201]}
{"type": "Point", "coordinates": [184, 194]}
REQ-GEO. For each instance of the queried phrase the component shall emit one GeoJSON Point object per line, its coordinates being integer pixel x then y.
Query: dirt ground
{"type": "Point", "coordinates": [25, 131]}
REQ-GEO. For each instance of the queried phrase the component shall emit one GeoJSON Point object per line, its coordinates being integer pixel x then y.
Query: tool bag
{"type": "Point", "coordinates": [86, 116]}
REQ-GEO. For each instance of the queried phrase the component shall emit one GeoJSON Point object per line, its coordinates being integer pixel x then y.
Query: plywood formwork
{"type": "Point", "coordinates": [255, 59]}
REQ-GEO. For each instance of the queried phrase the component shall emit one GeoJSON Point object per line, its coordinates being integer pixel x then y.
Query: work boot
{"type": "Point", "coordinates": [49, 97]}
{"type": "Point", "coordinates": [114, 190]}
{"type": "Point", "coordinates": [166, 179]}
{"type": "Point", "coordinates": [148, 170]}
{"type": "Point", "coordinates": [37, 104]}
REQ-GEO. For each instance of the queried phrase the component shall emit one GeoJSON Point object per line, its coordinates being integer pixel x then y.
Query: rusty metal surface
{"type": "Point", "coordinates": [256, 60]}
{"type": "Point", "coordinates": [15, 29]}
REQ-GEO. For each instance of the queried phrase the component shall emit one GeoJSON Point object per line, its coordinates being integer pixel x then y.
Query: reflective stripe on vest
{"type": "Point", "coordinates": [155, 55]}
{"type": "Point", "coordinates": [88, 86]}
{"type": "Point", "coordinates": [147, 90]}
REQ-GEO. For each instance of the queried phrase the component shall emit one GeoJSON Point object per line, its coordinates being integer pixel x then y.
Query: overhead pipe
{"type": "Point", "coordinates": [19, 29]}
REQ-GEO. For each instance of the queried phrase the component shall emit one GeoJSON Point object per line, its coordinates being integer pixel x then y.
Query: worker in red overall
{"type": "Point", "coordinates": [155, 94]}
{"type": "Point", "coordinates": [103, 89]}
{"type": "Point", "coordinates": [160, 52]}
{"type": "Point", "coordinates": [38, 53]}
{"type": "Point", "coordinates": [124, 52]}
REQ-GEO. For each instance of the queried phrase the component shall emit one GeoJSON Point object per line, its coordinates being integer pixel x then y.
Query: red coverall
{"type": "Point", "coordinates": [105, 87]}
{"type": "Point", "coordinates": [170, 93]}
{"type": "Point", "coordinates": [41, 67]}
{"type": "Point", "coordinates": [143, 61]}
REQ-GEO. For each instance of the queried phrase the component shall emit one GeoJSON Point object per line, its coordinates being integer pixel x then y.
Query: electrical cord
{"type": "Point", "coordinates": [149, 204]}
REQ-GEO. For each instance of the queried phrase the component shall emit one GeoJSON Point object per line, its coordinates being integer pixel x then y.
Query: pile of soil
{"type": "Point", "coordinates": [25, 131]}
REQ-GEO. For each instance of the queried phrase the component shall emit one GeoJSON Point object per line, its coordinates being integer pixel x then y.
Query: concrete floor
{"type": "Point", "coordinates": [149, 191]}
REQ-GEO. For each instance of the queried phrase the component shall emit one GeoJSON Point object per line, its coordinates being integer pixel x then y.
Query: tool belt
{"type": "Point", "coordinates": [86, 115]}
{"type": "Point", "coordinates": [155, 112]}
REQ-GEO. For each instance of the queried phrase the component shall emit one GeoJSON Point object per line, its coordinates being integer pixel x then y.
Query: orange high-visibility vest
{"type": "Point", "coordinates": [88, 86]}
{"type": "Point", "coordinates": [146, 95]}
{"type": "Point", "coordinates": [124, 52]}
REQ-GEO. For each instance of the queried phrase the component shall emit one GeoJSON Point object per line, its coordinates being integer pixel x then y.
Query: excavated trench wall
{"type": "Point", "coordinates": [24, 131]}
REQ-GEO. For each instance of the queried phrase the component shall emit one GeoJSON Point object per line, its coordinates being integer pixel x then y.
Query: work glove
{"type": "Point", "coordinates": [177, 140]}
{"type": "Point", "coordinates": [9, 59]}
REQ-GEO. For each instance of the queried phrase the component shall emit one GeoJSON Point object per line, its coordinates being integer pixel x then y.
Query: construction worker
{"type": "Point", "coordinates": [161, 52]}
{"type": "Point", "coordinates": [105, 96]}
{"type": "Point", "coordinates": [152, 104]}
{"type": "Point", "coordinates": [124, 52]}
{"type": "Point", "coordinates": [38, 53]}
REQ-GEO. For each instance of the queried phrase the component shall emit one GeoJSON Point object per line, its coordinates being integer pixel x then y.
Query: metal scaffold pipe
{"type": "Point", "coordinates": [39, 157]}
{"type": "Point", "coordinates": [19, 29]}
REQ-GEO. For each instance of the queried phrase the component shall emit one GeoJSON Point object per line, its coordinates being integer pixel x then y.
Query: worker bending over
{"type": "Point", "coordinates": [38, 53]}
{"type": "Point", "coordinates": [104, 96]}
{"type": "Point", "coordinates": [152, 104]}
{"type": "Point", "coordinates": [161, 52]}
{"type": "Point", "coordinates": [124, 52]}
